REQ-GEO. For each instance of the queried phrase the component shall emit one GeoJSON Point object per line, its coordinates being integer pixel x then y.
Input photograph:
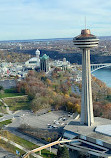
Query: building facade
{"type": "Point", "coordinates": [44, 63]}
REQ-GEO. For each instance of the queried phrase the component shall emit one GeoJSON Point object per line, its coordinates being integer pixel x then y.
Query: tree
{"type": "Point", "coordinates": [1, 88]}
{"type": "Point", "coordinates": [62, 152]}
{"type": "Point", "coordinates": [48, 82]}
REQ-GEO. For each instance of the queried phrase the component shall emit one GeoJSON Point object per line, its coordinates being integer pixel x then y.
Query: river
{"type": "Point", "coordinates": [104, 75]}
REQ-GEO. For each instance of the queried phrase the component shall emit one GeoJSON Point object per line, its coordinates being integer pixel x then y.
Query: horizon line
{"type": "Point", "coordinates": [60, 38]}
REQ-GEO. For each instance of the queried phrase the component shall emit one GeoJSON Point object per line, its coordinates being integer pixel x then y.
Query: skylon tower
{"type": "Point", "coordinates": [85, 41]}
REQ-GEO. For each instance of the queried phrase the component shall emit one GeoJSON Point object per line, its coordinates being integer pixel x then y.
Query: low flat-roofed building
{"type": "Point", "coordinates": [91, 138]}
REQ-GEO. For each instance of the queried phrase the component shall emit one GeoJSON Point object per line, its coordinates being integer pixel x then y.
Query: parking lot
{"type": "Point", "coordinates": [50, 120]}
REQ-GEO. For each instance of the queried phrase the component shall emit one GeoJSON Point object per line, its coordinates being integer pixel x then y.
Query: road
{"type": "Point", "coordinates": [35, 121]}
{"type": "Point", "coordinates": [18, 119]}
{"type": "Point", "coordinates": [20, 147]}
{"type": "Point", "coordinates": [75, 89]}
{"type": "Point", "coordinates": [6, 154]}
{"type": "Point", "coordinates": [12, 116]}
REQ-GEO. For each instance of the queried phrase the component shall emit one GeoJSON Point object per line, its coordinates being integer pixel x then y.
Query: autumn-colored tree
{"type": "Point", "coordinates": [70, 106]}
{"type": "Point", "coordinates": [42, 94]}
{"type": "Point", "coordinates": [77, 108]}
{"type": "Point", "coordinates": [64, 88]}
{"type": "Point", "coordinates": [48, 82]}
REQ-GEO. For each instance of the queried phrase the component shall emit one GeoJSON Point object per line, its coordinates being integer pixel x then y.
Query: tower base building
{"type": "Point", "coordinates": [89, 137]}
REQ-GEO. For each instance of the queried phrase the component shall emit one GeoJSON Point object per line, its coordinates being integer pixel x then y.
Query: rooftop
{"type": "Point", "coordinates": [86, 40]}
{"type": "Point", "coordinates": [44, 57]}
{"type": "Point", "coordinates": [85, 34]}
{"type": "Point", "coordinates": [76, 127]}
{"type": "Point", "coordinates": [104, 129]}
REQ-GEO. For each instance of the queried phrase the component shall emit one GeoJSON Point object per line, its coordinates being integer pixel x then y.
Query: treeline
{"type": "Point", "coordinates": [102, 109]}
{"type": "Point", "coordinates": [13, 56]}
{"type": "Point", "coordinates": [100, 91]}
{"type": "Point", "coordinates": [43, 93]}
{"type": "Point", "coordinates": [43, 134]}
{"type": "Point", "coordinates": [55, 93]}
{"type": "Point", "coordinates": [101, 98]}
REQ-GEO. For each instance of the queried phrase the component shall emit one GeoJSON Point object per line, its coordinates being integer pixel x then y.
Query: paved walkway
{"type": "Point", "coordinates": [19, 96]}
{"type": "Point", "coordinates": [13, 130]}
{"type": "Point", "coordinates": [13, 126]}
{"type": "Point", "coordinates": [19, 146]}
{"type": "Point", "coordinates": [6, 154]}
{"type": "Point", "coordinates": [7, 108]}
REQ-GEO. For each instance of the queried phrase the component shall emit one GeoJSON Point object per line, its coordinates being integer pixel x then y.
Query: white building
{"type": "Point", "coordinates": [33, 62]}
{"type": "Point", "coordinates": [63, 64]}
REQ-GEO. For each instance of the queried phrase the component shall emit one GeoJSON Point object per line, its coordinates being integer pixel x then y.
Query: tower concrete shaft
{"type": "Point", "coordinates": [85, 41]}
{"type": "Point", "coordinates": [87, 105]}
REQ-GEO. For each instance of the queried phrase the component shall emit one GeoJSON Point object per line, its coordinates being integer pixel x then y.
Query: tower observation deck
{"type": "Point", "coordinates": [85, 41]}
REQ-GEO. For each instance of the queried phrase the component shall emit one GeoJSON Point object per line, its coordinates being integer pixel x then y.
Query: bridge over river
{"type": "Point", "coordinates": [95, 67]}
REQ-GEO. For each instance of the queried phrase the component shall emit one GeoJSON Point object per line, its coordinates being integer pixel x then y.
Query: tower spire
{"type": "Point", "coordinates": [85, 22]}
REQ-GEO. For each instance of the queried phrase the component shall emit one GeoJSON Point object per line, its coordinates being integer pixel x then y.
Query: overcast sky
{"type": "Point", "coordinates": [41, 19]}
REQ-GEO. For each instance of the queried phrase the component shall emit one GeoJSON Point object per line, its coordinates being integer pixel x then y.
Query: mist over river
{"type": "Point", "coordinates": [104, 75]}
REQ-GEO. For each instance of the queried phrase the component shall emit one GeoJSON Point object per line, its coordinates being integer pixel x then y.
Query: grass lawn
{"type": "Point", "coordinates": [10, 147]}
{"type": "Point", "coordinates": [5, 123]}
{"type": "Point", "coordinates": [28, 145]}
{"type": "Point", "coordinates": [10, 93]}
{"type": "Point", "coordinates": [2, 109]}
{"type": "Point", "coordinates": [45, 153]}
{"type": "Point", "coordinates": [18, 140]}
{"type": "Point", "coordinates": [19, 103]}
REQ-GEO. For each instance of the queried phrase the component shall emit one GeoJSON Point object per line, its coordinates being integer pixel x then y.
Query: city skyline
{"type": "Point", "coordinates": [41, 19]}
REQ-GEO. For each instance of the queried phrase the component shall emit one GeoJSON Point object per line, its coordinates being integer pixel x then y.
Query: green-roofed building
{"type": "Point", "coordinates": [44, 63]}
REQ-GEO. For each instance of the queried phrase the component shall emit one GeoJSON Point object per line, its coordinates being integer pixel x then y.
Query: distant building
{"type": "Point", "coordinates": [64, 65]}
{"type": "Point", "coordinates": [44, 63]}
{"type": "Point", "coordinates": [38, 57]}
{"type": "Point", "coordinates": [34, 62]}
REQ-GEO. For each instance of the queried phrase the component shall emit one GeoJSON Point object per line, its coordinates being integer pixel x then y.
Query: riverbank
{"type": "Point", "coordinates": [103, 75]}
